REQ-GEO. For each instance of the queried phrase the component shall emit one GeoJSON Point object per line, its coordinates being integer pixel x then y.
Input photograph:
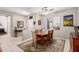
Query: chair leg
{"type": "Point", "coordinates": [48, 43]}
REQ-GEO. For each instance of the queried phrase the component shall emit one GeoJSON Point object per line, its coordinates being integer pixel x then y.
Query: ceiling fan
{"type": "Point", "coordinates": [46, 9]}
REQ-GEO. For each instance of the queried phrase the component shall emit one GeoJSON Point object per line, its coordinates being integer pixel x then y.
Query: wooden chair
{"type": "Point", "coordinates": [34, 39]}
{"type": "Point", "coordinates": [37, 40]}
{"type": "Point", "coordinates": [41, 40]}
{"type": "Point", "coordinates": [50, 36]}
{"type": "Point", "coordinates": [38, 30]}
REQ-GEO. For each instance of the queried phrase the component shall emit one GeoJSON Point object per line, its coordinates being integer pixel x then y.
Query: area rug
{"type": "Point", "coordinates": [55, 46]}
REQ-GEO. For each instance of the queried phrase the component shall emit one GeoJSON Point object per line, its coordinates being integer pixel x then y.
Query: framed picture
{"type": "Point", "coordinates": [68, 20]}
{"type": "Point", "coordinates": [20, 24]}
{"type": "Point", "coordinates": [39, 22]}
{"type": "Point", "coordinates": [34, 22]}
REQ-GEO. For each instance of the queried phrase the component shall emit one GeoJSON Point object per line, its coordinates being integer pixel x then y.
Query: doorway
{"type": "Point", "coordinates": [5, 24]}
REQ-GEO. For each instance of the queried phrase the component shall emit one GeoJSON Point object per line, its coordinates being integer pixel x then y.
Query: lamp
{"type": "Point", "coordinates": [76, 30]}
{"type": "Point", "coordinates": [50, 24]}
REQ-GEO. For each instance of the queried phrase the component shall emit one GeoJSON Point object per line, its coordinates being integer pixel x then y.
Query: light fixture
{"type": "Point", "coordinates": [46, 10]}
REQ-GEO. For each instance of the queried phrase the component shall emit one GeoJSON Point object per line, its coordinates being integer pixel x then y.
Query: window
{"type": "Point", "coordinates": [56, 22]}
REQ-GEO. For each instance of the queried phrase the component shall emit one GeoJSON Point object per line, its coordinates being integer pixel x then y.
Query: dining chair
{"type": "Point", "coordinates": [41, 40]}
{"type": "Point", "coordinates": [50, 36]}
{"type": "Point", "coordinates": [38, 30]}
{"type": "Point", "coordinates": [38, 39]}
{"type": "Point", "coordinates": [34, 39]}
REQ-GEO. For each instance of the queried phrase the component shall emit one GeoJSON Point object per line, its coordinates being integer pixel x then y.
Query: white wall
{"type": "Point", "coordinates": [36, 17]}
{"type": "Point", "coordinates": [16, 18]}
{"type": "Point", "coordinates": [13, 20]}
{"type": "Point", "coordinates": [64, 32]}
{"type": "Point", "coordinates": [30, 24]}
{"type": "Point", "coordinates": [78, 17]}
{"type": "Point", "coordinates": [19, 18]}
{"type": "Point", "coordinates": [9, 24]}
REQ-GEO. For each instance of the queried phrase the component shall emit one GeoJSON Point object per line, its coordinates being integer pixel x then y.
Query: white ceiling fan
{"type": "Point", "coordinates": [46, 10]}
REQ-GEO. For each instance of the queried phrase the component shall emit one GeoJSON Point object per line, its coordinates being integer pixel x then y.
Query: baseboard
{"type": "Point", "coordinates": [61, 38]}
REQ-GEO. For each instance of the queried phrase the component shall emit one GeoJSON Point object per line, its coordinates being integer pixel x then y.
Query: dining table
{"type": "Point", "coordinates": [41, 33]}
{"type": "Point", "coordinates": [40, 36]}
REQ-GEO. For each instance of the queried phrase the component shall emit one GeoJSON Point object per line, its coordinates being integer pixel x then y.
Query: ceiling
{"type": "Point", "coordinates": [30, 10]}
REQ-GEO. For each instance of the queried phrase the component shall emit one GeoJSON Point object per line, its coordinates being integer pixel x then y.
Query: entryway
{"type": "Point", "coordinates": [5, 24]}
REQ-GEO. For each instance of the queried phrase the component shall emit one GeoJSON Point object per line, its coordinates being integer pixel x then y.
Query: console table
{"type": "Point", "coordinates": [16, 32]}
{"type": "Point", "coordinates": [2, 30]}
{"type": "Point", "coordinates": [74, 43]}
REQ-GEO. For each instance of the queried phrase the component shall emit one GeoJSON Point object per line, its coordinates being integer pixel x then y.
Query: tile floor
{"type": "Point", "coordinates": [9, 44]}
